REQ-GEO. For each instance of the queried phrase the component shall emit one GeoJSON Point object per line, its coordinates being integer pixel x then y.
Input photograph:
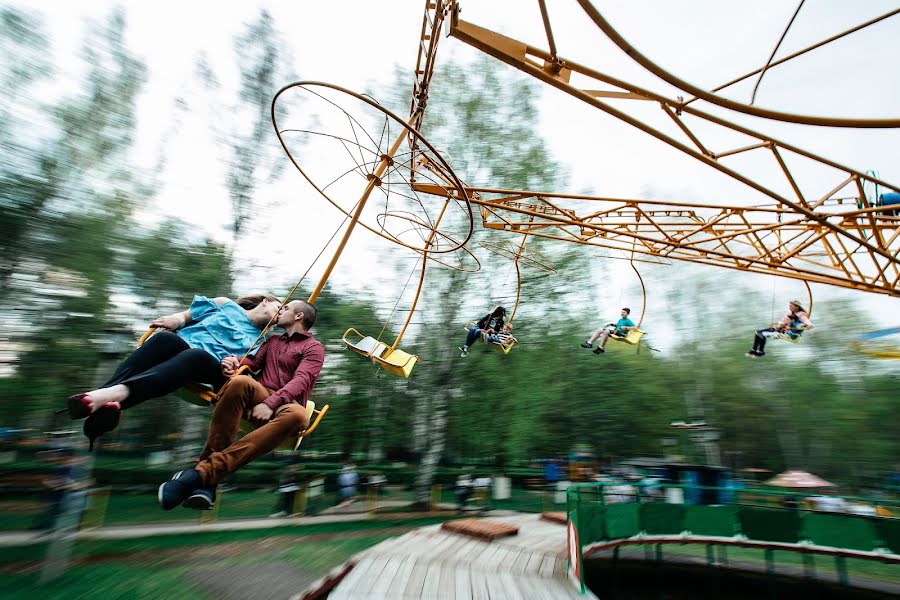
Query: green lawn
{"type": "Point", "coordinates": [157, 567]}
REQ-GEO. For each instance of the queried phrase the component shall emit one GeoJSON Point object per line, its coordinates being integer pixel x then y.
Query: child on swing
{"type": "Point", "coordinates": [792, 325]}
{"type": "Point", "coordinates": [504, 337]}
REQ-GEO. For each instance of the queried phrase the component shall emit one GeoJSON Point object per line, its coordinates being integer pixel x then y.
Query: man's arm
{"type": "Point", "coordinates": [259, 359]}
{"type": "Point", "coordinates": [303, 380]}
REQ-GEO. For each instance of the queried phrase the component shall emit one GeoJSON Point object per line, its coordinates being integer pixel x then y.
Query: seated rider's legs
{"type": "Point", "coordinates": [221, 457]}
{"type": "Point", "coordinates": [595, 335]}
{"type": "Point", "coordinates": [160, 366]}
{"type": "Point", "coordinates": [604, 337]}
{"type": "Point", "coordinates": [759, 339]}
{"type": "Point", "coordinates": [474, 334]}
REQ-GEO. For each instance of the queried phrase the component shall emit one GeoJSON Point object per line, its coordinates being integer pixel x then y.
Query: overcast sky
{"type": "Point", "coordinates": [358, 44]}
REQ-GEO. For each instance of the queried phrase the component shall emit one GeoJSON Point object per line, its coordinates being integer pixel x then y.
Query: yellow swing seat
{"type": "Point", "coordinates": [494, 345]}
{"type": "Point", "coordinates": [393, 360]}
{"type": "Point", "coordinates": [794, 340]}
{"type": "Point", "coordinates": [292, 443]}
{"type": "Point", "coordinates": [632, 337]}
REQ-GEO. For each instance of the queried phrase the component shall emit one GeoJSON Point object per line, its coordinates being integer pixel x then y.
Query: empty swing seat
{"type": "Point", "coordinates": [393, 360]}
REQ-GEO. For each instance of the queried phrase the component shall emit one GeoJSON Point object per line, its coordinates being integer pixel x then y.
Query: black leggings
{"type": "Point", "coordinates": [163, 364]}
{"type": "Point", "coordinates": [759, 342]}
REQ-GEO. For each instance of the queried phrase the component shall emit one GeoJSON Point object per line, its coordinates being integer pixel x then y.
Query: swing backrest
{"type": "Point", "coordinates": [632, 337]}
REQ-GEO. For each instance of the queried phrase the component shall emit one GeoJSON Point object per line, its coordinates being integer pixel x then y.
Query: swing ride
{"type": "Point", "coordinates": [848, 236]}
{"type": "Point", "coordinates": [519, 255]}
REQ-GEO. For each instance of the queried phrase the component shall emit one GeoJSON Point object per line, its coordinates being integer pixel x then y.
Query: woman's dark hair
{"type": "Point", "coordinates": [254, 300]}
{"type": "Point", "coordinates": [499, 311]}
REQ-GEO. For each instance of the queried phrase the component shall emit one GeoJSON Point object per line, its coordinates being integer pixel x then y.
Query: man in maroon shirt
{"type": "Point", "coordinates": [288, 366]}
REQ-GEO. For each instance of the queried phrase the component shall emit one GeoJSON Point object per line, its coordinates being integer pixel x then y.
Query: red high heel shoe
{"type": "Point", "coordinates": [78, 406]}
{"type": "Point", "coordinates": [104, 419]}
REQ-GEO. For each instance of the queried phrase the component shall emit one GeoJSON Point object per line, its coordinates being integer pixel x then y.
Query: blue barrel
{"type": "Point", "coordinates": [889, 199]}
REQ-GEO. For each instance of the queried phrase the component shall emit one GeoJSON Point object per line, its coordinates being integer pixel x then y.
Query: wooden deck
{"type": "Point", "coordinates": [430, 563]}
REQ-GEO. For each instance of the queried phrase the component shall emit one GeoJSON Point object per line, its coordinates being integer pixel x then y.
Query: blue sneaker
{"type": "Point", "coordinates": [203, 498]}
{"type": "Point", "coordinates": [176, 490]}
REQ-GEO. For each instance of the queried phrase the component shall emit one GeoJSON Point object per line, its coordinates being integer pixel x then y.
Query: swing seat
{"type": "Point", "coordinates": [788, 338]}
{"type": "Point", "coordinates": [632, 337]}
{"type": "Point", "coordinates": [292, 443]}
{"type": "Point", "coordinates": [393, 360]}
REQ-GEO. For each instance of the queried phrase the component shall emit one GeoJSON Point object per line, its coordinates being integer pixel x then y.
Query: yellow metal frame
{"type": "Point", "coordinates": [840, 238]}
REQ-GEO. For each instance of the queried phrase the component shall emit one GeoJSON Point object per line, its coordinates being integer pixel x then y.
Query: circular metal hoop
{"type": "Point", "coordinates": [440, 239]}
{"type": "Point", "coordinates": [354, 143]}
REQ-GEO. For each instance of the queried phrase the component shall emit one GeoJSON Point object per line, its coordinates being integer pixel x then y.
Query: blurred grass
{"type": "Point", "coordinates": [25, 510]}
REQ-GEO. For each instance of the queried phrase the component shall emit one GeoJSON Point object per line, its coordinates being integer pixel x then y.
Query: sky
{"type": "Point", "coordinates": [359, 44]}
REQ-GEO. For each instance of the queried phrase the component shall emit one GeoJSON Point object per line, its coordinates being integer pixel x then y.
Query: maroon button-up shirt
{"type": "Point", "coordinates": [290, 366]}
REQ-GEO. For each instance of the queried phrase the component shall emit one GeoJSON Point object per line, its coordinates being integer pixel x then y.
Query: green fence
{"type": "Point", "coordinates": [604, 512]}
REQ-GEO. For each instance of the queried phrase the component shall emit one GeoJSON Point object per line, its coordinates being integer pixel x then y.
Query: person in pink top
{"type": "Point", "coordinates": [275, 402]}
{"type": "Point", "coordinates": [794, 322]}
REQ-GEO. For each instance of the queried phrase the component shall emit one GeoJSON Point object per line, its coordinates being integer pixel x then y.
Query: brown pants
{"type": "Point", "coordinates": [236, 399]}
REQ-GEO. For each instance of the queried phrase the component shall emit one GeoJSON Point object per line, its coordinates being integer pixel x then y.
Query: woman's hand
{"type": "Point", "coordinates": [170, 322]}
{"type": "Point", "coordinates": [229, 365]}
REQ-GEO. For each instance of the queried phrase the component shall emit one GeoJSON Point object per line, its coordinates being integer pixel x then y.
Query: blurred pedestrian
{"type": "Point", "coordinates": [347, 482]}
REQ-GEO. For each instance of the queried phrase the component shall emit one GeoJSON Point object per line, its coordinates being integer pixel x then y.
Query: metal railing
{"type": "Point", "coordinates": [607, 516]}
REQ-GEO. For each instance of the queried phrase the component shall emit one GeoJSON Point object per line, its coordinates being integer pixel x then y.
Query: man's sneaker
{"type": "Point", "coordinates": [760, 354]}
{"type": "Point", "coordinates": [599, 350]}
{"type": "Point", "coordinates": [587, 345]}
{"type": "Point", "coordinates": [203, 498]}
{"type": "Point", "coordinates": [176, 490]}
{"type": "Point", "coordinates": [463, 351]}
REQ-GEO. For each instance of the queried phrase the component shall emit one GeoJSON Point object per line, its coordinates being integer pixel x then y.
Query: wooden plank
{"type": "Point", "coordinates": [370, 577]}
{"type": "Point", "coordinates": [398, 585]}
{"type": "Point", "coordinates": [447, 589]}
{"type": "Point", "coordinates": [511, 583]}
{"type": "Point", "coordinates": [520, 563]}
{"type": "Point", "coordinates": [479, 585]}
{"type": "Point", "coordinates": [431, 587]}
{"type": "Point", "coordinates": [463, 584]}
{"type": "Point", "coordinates": [383, 582]}
{"type": "Point", "coordinates": [416, 580]}
{"type": "Point", "coordinates": [547, 564]}
{"type": "Point", "coordinates": [496, 588]}
{"type": "Point", "coordinates": [534, 565]}
{"type": "Point", "coordinates": [350, 580]}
